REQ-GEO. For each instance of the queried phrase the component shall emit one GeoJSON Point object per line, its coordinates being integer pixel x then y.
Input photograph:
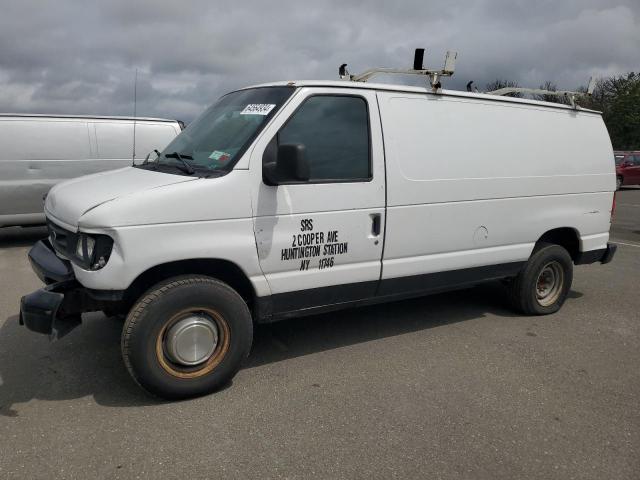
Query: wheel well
{"type": "Point", "coordinates": [223, 270]}
{"type": "Point", "coordinates": [565, 237]}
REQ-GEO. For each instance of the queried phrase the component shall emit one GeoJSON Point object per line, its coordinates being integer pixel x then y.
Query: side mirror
{"type": "Point", "coordinates": [289, 165]}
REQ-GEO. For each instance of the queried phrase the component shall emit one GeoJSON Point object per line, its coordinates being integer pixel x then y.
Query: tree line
{"type": "Point", "coordinates": [617, 97]}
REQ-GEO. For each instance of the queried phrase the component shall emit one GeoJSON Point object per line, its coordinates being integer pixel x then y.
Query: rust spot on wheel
{"type": "Point", "coordinates": [549, 283]}
{"type": "Point", "coordinates": [210, 363]}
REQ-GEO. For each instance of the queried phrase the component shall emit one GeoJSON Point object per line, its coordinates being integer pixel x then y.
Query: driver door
{"type": "Point", "coordinates": [320, 241]}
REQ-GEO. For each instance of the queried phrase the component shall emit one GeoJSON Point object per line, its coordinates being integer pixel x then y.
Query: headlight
{"type": "Point", "coordinates": [85, 246]}
{"type": "Point", "coordinates": [93, 251]}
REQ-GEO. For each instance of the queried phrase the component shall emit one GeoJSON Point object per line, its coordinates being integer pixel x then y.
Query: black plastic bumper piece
{"type": "Point", "coordinates": [47, 265]}
{"type": "Point", "coordinates": [602, 255]}
{"type": "Point", "coordinates": [42, 312]}
{"type": "Point", "coordinates": [610, 251]}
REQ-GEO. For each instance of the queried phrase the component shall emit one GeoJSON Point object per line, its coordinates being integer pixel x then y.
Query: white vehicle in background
{"type": "Point", "coordinates": [37, 151]}
{"type": "Point", "coordinates": [301, 197]}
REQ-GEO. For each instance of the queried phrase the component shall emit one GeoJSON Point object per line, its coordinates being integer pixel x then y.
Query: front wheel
{"type": "Point", "coordinates": [186, 337]}
{"type": "Point", "coordinates": [618, 182]}
{"type": "Point", "coordinates": [543, 284]}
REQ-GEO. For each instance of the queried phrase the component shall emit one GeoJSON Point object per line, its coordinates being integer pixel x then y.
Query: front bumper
{"type": "Point", "coordinates": [56, 309]}
{"type": "Point", "coordinates": [47, 265]}
{"type": "Point", "coordinates": [43, 311]}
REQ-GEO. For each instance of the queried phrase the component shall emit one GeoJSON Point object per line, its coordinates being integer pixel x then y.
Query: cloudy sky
{"type": "Point", "coordinates": [69, 56]}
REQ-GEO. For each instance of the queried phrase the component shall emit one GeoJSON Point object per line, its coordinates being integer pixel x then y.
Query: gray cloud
{"type": "Point", "coordinates": [75, 57]}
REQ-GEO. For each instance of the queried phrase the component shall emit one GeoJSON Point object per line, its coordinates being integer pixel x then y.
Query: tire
{"type": "Point", "coordinates": [542, 285]}
{"type": "Point", "coordinates": [212, 312]}
{"type": "Point", "coordinates": [619, 182]}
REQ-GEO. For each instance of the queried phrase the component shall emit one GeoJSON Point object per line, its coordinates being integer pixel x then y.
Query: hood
{"type": "Point", "coordinates": [69, 200]}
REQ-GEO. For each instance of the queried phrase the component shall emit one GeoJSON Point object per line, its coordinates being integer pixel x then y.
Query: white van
{"type": "Point", "coordinates": [295, 198]}
{"type": "Point", "coordinates": [37, 151]}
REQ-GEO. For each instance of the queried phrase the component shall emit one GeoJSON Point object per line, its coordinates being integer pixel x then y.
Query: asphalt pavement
{"type": "Point", "coordinates": [449, 386]}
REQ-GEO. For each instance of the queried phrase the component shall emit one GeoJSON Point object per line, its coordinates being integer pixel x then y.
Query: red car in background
{"type": "Point", "coordinates": [627, 168]}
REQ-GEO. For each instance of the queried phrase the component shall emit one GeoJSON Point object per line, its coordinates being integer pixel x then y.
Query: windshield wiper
{"type": "Point", "coordinates": [188, 167]}
{"type": "Point", "coordinates": [146, 160]}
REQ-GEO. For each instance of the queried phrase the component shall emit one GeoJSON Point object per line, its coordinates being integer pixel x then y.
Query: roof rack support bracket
{"type": "Point", "coordinates": [418, 69]}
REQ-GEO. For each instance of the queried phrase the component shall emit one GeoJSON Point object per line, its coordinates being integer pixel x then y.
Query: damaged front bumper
{"type": "Point", "coordinates": [56, 309]}
{"type": "Point", "coordinates": [43, 311]}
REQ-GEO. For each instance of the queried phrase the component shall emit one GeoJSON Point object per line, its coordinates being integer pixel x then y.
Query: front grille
{"type": "Point", "coordinates": [62, 240]}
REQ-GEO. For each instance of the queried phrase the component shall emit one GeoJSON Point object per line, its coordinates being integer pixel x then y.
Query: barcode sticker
{"type": "Point", "coordinates": [258, 109]}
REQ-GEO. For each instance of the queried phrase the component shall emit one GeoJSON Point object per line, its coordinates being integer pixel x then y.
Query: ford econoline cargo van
{"type": "Point", "coordinates": [295, 198]}
{"type": "Point", "coordinates": [37, 151]}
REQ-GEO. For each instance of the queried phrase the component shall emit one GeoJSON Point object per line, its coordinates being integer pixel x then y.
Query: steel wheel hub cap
{"type": "Point", "coordinates": [192, 340]}
{"type": "Point", "coordinates": [549, 283]}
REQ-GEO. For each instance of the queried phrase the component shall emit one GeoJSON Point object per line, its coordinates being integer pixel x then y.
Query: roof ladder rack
{"type": "Point", "coordinates": [569, 95]}
{"type": "Point", "coordinates": [418, 69]}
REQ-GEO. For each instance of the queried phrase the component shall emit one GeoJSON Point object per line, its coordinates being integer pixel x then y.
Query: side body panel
{"type": "Point", "coordinates": [37, 153]}
{"type": "Point", "coordinates": [474, 183]}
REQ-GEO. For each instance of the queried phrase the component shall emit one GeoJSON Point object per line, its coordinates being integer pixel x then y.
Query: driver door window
{"type": "Point", "coordinates": [335, 133]}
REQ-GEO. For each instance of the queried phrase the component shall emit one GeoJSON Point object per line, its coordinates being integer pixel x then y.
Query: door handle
{"type": "Point", "coordinates": [376, 221]}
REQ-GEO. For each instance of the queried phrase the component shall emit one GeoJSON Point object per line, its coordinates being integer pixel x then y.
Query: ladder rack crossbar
{"type": "Point", "coordinates": [366, 75]}
{"type": "Point", "coordinates": [569, 95]}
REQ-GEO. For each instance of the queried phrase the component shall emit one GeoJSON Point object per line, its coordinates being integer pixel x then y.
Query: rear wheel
{"type": "Point", "coordinates": [542, 285]}
{"type": "Point", "coordinates": [186, 337]}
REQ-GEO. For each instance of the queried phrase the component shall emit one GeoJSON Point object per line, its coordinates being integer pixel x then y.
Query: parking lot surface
{"type": "Point", "coordinates": [449, 386]}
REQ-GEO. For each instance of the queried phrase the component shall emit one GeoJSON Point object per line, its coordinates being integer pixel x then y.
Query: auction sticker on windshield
{"type": "Point", "coordinates": [257, 109]}
{"type": "Point", "coordinates": [220, 156]}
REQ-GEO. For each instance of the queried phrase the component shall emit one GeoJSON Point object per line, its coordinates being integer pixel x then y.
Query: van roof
{"type": "Point", "coordinates": [411, 89]}
{"type": "Point", "coordinates": [88, 117]}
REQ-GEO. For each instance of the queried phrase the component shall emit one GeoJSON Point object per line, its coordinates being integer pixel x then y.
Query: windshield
{"type": "Point", "coordinates": [217, 139]}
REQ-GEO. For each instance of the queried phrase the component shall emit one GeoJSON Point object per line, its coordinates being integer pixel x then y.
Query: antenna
{"type": "Point", "coordinates": [418, 69]}
{"type": "Point", "coordinates": [135, 105]}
